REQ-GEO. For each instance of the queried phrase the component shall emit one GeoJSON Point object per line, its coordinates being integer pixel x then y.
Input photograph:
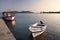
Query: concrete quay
{"type": "Point", "coordinates": [5, 33]}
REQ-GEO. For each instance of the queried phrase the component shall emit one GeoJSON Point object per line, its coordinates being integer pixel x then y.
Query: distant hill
{"type": "Point", "coordinates": [21, 12]}
{"type": "Point", "coordinates": [26, 12]}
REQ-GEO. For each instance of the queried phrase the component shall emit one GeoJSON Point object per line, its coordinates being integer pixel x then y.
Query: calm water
{"type": "Point", "coordinates": [20, 27]}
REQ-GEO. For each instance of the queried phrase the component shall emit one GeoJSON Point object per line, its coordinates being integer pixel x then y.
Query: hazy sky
{"type": "Point", "coordinates": [31, 5]}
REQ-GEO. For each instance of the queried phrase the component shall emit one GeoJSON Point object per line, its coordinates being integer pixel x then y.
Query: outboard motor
{"type": "Point", "coordinates": [41, 22]}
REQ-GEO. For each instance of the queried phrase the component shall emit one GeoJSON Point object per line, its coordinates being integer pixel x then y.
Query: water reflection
{"type": "Point", "coordinates": [11, 23]}
{"type": "Point", "coordinates": [40, 37]}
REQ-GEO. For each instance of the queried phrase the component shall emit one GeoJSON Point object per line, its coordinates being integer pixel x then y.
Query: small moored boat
{"type": "Point", "coordinates": [37, 29]}
{"type": "Point", "coordinates": [8, 16]}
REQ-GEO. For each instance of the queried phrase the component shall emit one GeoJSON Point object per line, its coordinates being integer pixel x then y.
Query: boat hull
{"type": "Point", "coordinates": [36, 31]}
{"type": "Point", "coordinates": [9, 18]}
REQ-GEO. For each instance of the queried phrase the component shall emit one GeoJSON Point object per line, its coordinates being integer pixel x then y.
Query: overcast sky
{"type": "Point", "coordinates": [30, 5]}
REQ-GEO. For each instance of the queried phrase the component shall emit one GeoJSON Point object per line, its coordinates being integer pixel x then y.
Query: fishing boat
{"type": "Point", "coordinates": [8, 16]}
{"type": "Point", "coordinates": [37, 28]}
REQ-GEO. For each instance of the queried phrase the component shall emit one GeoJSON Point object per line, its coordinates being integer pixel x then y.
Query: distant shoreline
{"type": "Point", "coordinates": [18, 12]}
{"type": "Point", "coordinates": [49, 12]}
{"type": "Point", "coordinates": [30, 12]}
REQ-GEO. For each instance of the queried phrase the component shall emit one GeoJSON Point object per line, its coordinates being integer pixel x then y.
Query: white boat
{"type": "Point", "coordinates": [8, 16]}
{"type": "Point", "coordinates": [37, 29]}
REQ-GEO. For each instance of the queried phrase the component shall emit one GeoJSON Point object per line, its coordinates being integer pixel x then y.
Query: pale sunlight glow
{"type": "Point", "coordinates": [30, 5]}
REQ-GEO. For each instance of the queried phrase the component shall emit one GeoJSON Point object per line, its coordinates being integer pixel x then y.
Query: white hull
{"type": "Point", "coordinates": [9, 18]}
{"type": "Point", "coordinates": [37, 30]}
{"type": "Point", "coordinates": [39, 33]}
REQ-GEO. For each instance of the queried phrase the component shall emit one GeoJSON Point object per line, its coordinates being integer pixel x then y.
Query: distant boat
{"type": "Point", "coordinates": [8, 16]}
{"type": "Point", "coordinates": [37, 29]}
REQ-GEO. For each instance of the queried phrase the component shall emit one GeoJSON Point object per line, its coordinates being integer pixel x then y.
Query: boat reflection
{"type": "Point", "coordinates": [11, 23]}
{"type": "Point", "coordinates": [40, 37]}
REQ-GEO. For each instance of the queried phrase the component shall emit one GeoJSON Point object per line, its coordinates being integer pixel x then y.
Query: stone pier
{"type": "Point", "coordinates": [5, 33]}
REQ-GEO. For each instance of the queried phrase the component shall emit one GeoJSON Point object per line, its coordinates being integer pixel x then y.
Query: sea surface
{"type": "Point", "coordinates": [20, 26]}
